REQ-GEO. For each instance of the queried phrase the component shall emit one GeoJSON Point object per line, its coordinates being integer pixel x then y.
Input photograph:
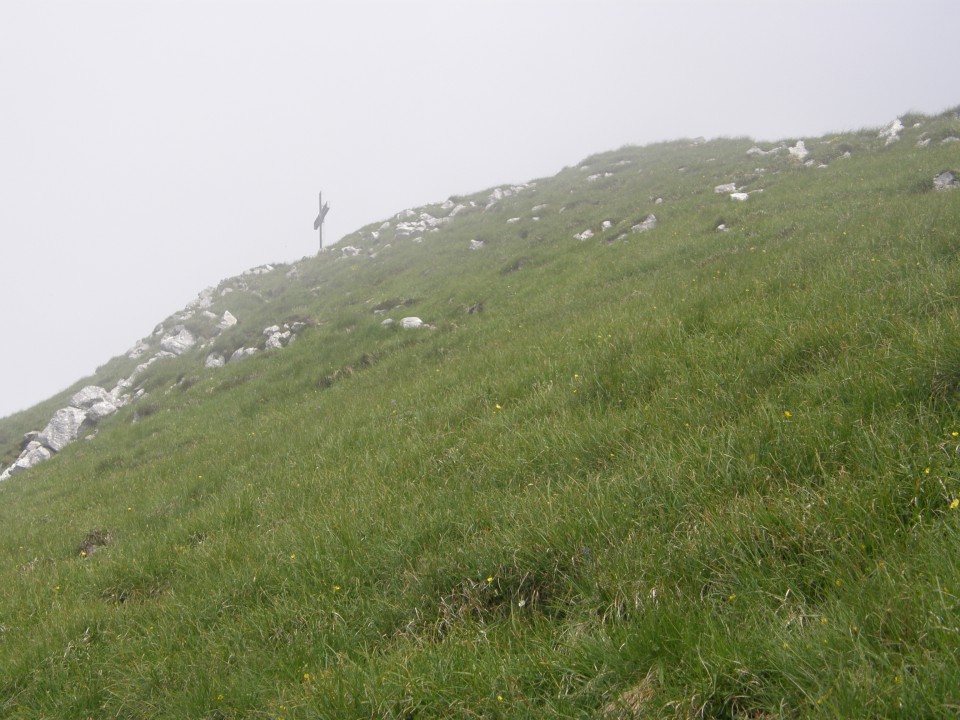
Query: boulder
{"type": "Point", "coordinates": [739, 196]}
{"type": "Point", "coordinates": [138, 350]}
{"type": "Point", "coordinates": [242, 353]}
{"type": "Point", "coordinates": [585, 235]}
{"type": "Point", "coordinates": [227, 321]}
{"type": "Point", "coordinates": [90, 396]}
{"type": "Point", "coordinates": [649, 223]}
{"type": "Point", "coordinates": [277, 339]}
{"type": "Point", "coordinates": [179, 343]}
{"type": "Point", "coordinates": [63, 428]}
{"type": "Point", "coordinates": [411, 323]}
{"type": "Point", "coordinates": [892, 131]}
{"type": "Point", "coordinates": [725, 189]}
{"type": "Point", "coordinates": [476, 244]}
{"type": "Point", "coordinates": [98, 411]}
{"type": "Point", "coordinates": [214, 360]}
{"type": "Point", "coordinates": [799, 151]}
{"type": "Point", "coordinates": [945, 181]}
{"type": "Point", "coordinates": [34, 454]}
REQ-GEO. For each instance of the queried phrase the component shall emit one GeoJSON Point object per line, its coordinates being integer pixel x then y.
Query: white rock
{"type": "Point", "coordinates": [726, 188]}
{"type": "Point", "coordinates": [33, 454]}
{"type": "Point", "coordinates": [892, 131]}
{"type": "Point", "coordinates": [649, 223]}
{"type": "Point", "coordinates": [350, 251]}
{"type": "Point", "coordinates": [585, 235]}
{"type": "Point", "coordinates": [739, 196]}
{"type": "Point", "coordinates": [260, 270]}
{"type": "Point", "coordinates": [100, 410]}
{"type": "Point", "coordinates": [90, 396]}
{"type": "Point", "coordinates": [411, 323]}
{"type": "Point", "coordinates": [799, 151]}
{"type": "Point", "coordinates": [271, 330]}
{"type": "Point", "coordinates": [227, 321]}
{"type": "Point", "coordinates": [476, 244]}
{"type": "Point", "coordinates": [138, 350]}
{"type": "Point", "coordinates": [276, 341]}
{"type": "Point", "coordinates": [387, 323]}
{"type": "Point", "coordinates": [945, 181]}
{"type": "Point", "coordinates": [511, 221]}
{"type": "Point", "coordinates": [242, 353]}
{"type": "Point", "coordinates": [203, 300]}
{"type": "Point", "coordinates": [62, 428]}
{"type": "Point", "coordinates": [179, 343]}
{"type": "Point", "coordinates": [214, 360]}
{"type": "Point", "coordinates": [606, 225]}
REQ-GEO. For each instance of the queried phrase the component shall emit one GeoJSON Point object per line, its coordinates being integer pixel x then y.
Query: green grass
{"type": "Point", "coordinates": [680, 474]}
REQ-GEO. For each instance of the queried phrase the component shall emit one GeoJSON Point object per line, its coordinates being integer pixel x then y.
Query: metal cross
{"type": "Point", "coordinates": [318, 223]}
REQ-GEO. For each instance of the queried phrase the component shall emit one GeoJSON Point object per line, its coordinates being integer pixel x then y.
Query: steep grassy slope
{"type": "Point", "coordinates": [681, 473]}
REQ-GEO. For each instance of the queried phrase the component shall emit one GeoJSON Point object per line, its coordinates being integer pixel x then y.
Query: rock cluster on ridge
{"type": "Point", "coordinates": [87, 408]}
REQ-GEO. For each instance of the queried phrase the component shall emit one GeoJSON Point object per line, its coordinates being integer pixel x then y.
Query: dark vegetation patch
{"type": "Point", "coordinates": [367, 360]}
{"type": "Point", "coordinates": [94, 540]}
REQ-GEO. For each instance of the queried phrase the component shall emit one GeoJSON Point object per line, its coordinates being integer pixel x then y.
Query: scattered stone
{"type": "Point", "coordinates": [203, 300]}
{"type": "Point", "coordinates": [951, 139]}
{"type": "Point", "coordinates": [513, 220]}
{"type": "Point", "coordinates": [350, 251]}
{"type": "Point", "coordinates": [179, 343]}
{"type": "Point", "coordinates": [98, 411]}
{"type": "Point", "coordinates": [585, 235]}
{"type": "Point", "coordinates": [725, 189]}
{"type": "Point", "coordinates": [387, 323]}
{"type": "Point", "coordinates": [758, 151]}
{"type": "Point", "coordinates": [476, 244]}
{"type": "Point", "coordinates": [606, 225]}
{"type": "Point", "coordinates": [411, 323]}
{"type": "Point", "coordinates": [277, 340]}
{"type": "Point", "coordinates": [138, 350]}
{"type": "Point", "coordinates": [63, 428]}
{"type": "Point", "coordinates": [260, 270]}
{"type": "Point", "coordinates": [722, 228]}
{"type": "Point", "coordinates": [215, 360]}
{"type": "Point", "coordinates": [90, 396]}
{"type": "Point", "coordinates": [658, 201]}
{"type": "Point", "coordinates": [649, 223]}
{"type": "Point", "coordinates": [34, 454]}
{"type": "Point", "coordinates": [945, 181]}
{"type": "Point", "coordinates": [227, 321]}
{"type": "Point", "coordinates": [739, 196]}
{"type": "Point", "coordinates": [799, 151]}
{"type": "Point", "coordinates": [892, 132]}
{"type": "Point", "coordinates": [241, 353]}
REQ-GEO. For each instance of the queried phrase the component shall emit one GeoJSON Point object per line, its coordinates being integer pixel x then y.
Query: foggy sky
{"type": "Point", "coordinates": [149, 149]}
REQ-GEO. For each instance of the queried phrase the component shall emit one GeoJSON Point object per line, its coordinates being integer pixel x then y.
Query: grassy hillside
{"type": "Point", "coordinates": [678, 473]}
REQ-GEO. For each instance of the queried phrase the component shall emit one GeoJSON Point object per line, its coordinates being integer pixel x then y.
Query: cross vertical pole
{"type": "Point", "coordinates": [318, 223]}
